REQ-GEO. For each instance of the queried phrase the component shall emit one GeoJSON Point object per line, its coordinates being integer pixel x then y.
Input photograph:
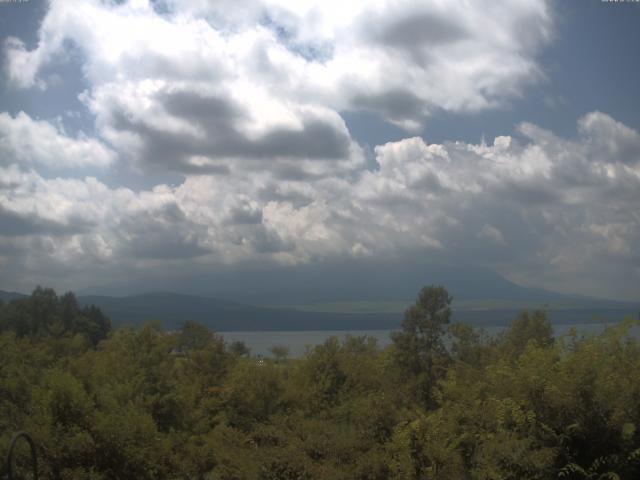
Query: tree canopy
{"type": "Point", "coordinates": [45, 314]}
{"type": "Point", "coordinates": [419, 346]}
{"type": "Point", "coordinates": [148, 404]}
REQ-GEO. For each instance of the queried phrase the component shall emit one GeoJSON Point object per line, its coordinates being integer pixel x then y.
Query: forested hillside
{"type": "Point", "coordinates": [148, 404]}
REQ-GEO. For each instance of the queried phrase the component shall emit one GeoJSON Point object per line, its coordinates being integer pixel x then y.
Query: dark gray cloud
{"type": "Point", "coordinates": [18, 224]}
{"type": "Point", "coordinates": [294, 196]}
{"type": "Point", "coordinates": [244, 215]}
{"type": "Point", "coordinates": [429, 182]}
{"type": "Point", "coordinates": [427, 28]}
{"type": "Point", "coordinates": [530, 192]}
{"type": "Point", "coordinates": [163, 233]}
{"type": "Point", "coordinates": [418, 34]}
{"type": "Point", "coordinates": [223, 139]}
{"type": "Point", "coordinates": [317, 140]}
{"type": "Point", "coordinates": [217, 114]}
{"type": "Point", "coordinates": [266, 240]}
{"type": "Point", "coordinates": [394, 104]}
{"type": "Point", "coordinates": [164, 245]}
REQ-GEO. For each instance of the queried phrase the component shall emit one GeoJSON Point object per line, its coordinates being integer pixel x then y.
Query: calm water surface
{"type": "Point", "coordinates": [298, 341]}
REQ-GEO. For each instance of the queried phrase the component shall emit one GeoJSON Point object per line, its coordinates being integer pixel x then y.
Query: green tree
{"type": "Point", "coordinates": [193, 336]}
{"type": "Point", "coordinates": [420, 349]}
{"type": "Point", "coordinates": [470, 345]}
{"type": "Point", "coordinates": [319, 378]}
{"type": "Point", "coordinates": [528, 327]}
{"type": "Point", "coordinates": [280, 352]}
{"type": "Point", "coordinates": [44, 314]}
{"type": "Point", "coordinates": [239, 348]}
{"type": "Point", "coordinates": [253, 392]}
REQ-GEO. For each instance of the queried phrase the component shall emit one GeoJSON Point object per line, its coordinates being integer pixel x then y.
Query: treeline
{"type": "Point", "coordinates": [44, 314]}
{"type": "Point", "coordinates": [443, 401]}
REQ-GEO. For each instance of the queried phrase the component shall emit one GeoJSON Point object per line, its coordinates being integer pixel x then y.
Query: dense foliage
{"type": "Point", "coordinates": [443, 401]}
{"type": "Point", "coordinates": [44, 314]}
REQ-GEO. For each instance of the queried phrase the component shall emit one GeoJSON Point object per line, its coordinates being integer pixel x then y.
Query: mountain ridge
{"type": "Point", "coordinates": [347, 281]}
{"type": "Point", "coordinates": [173, 309]}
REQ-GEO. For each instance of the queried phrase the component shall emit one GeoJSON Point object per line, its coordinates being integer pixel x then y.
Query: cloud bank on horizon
{"type": "Point", "coordinates": [244, 103]}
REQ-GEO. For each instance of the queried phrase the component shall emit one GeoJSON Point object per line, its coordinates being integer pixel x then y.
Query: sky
{"type": "Point", "coordinates": [144, 140]}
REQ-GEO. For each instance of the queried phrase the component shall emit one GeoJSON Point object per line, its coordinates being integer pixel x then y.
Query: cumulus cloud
{"type": "Point", "coordinates": [244, 100]}
{"type": "Point", "coordinates": [610, 140]}
{"type": "Point", "coordinates": [546, 210]}
{"type": "Point", "coordinates": [539, 208]}
{"type": "Point", "coordinates": [204, 135]}
{"type": "Point", "coordinates": [37, 142]}
{"type": "Point", "coordinates": [197, 86]}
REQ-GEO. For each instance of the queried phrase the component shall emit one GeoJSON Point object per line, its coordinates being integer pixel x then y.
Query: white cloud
{"type": "Point", "coordinates": [542, 210]}
{"type": "Point", "coordinates": [610, 140]}
{"type": "Point", "coordinates": [244, 99]}
{"type": "Point", "coordinates": [272, 70]}
{"type": "Point", "coordinates": [22, 65]}
{"type": "Point", "coordinates": [37, 142]}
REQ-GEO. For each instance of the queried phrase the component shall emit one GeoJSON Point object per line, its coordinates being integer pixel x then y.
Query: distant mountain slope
{"type": "Point", "coordinates": [349, 281]}
{"type": "Point", "coordinates": [8, 296]}
{"type": "Point", "coordinates": [173, 309]}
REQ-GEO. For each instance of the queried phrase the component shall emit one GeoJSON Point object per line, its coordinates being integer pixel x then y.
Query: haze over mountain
{"type": "Point", "coordinates": [353, 295]}
{"type": "Point", "coordinates": [8, 296]}
{"type": "Point", "coordinates": [219, 315]}
{"type": "Point", "coordinates": [351, 280]}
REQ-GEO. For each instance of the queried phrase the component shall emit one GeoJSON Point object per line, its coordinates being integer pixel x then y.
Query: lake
{"type": "Point", "coordinates": [298, 341]}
